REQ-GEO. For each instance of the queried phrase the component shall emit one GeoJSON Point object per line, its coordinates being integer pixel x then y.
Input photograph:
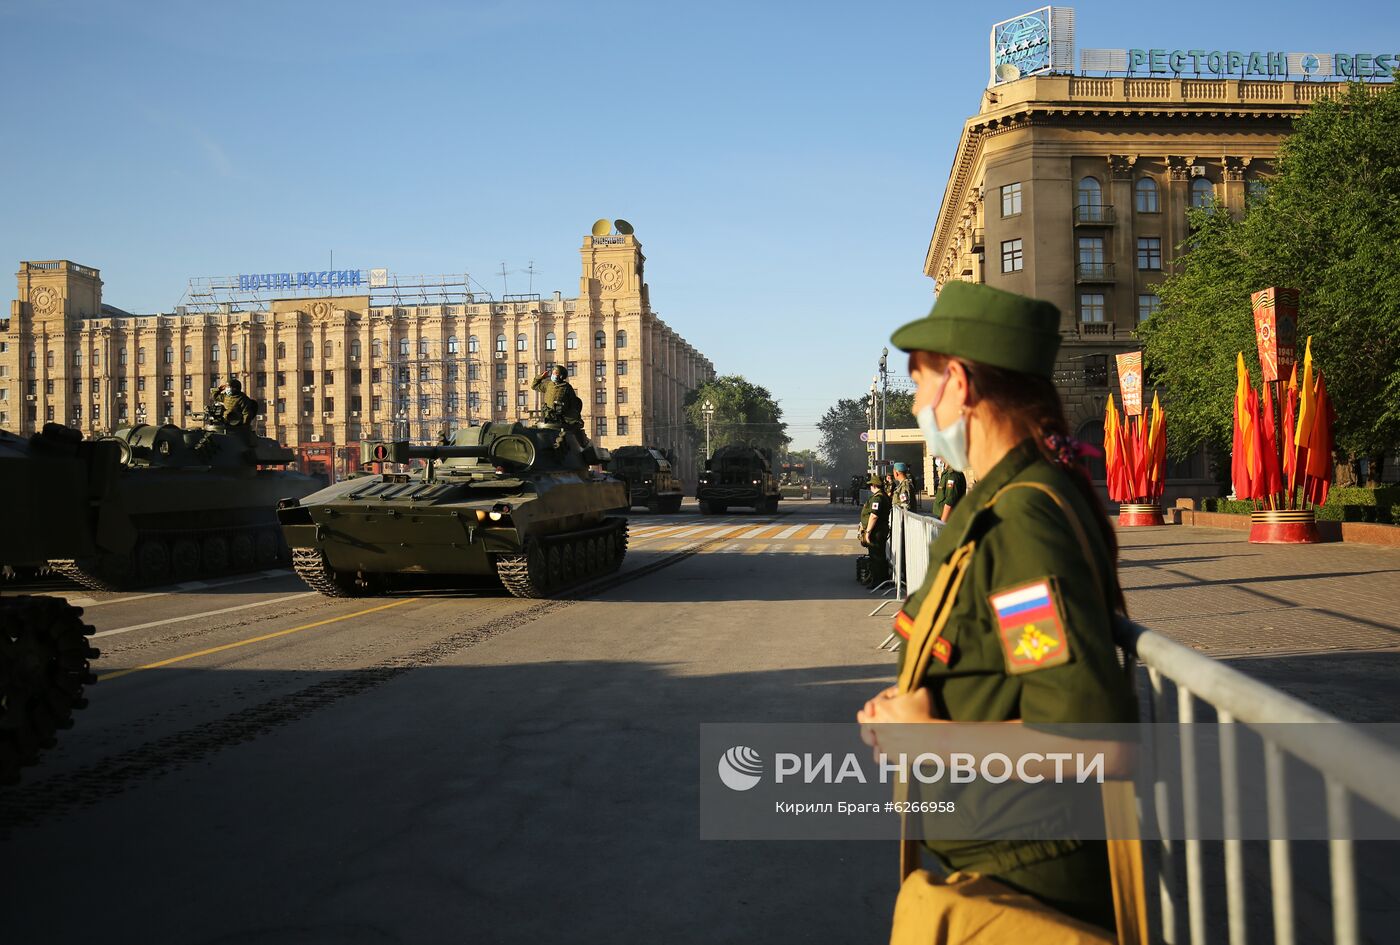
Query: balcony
{"type": "Point", "coordinates": [1096, 331]}
{"type": "Point", "coordinates": [1093, 272]}
{"type": "Point", "coordinates": [1101, 215]}
{"type": "Point", "coordinates": [979, 239]}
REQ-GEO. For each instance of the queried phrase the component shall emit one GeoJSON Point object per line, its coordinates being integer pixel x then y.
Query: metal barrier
{"type": "Point", "coordinates": [1350, 763]}
{"type": "Point", "coordinates": [911, 535]}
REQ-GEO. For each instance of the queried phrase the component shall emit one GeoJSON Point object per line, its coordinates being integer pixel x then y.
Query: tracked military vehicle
{"type": "Point", "coordinates": [649, 477]}
{"type": "Point", "coordinates": [200, 503]}
{"type": "Point", "coordinates": [507, 501]}
{"type": "Point", "coordinates": [56, 487]}
{"type": "Point", "coordinates": [738, 475]}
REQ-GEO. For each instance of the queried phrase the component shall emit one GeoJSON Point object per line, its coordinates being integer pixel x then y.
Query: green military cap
{"type": "Point", "coordinates": [988, 326]}
{"type": "Point", "coordinates": [875, 480]}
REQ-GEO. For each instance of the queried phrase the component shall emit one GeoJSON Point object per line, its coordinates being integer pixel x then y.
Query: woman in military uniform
{"type": "Point", "coordinates": [1029, 630]}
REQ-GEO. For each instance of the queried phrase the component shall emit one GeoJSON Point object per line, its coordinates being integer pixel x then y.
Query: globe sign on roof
{"type": "Point", "coordinates": [1039, 41]}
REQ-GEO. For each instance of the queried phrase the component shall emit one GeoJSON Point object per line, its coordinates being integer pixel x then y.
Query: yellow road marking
{"type": "Point", "coordinates": [230, 646]}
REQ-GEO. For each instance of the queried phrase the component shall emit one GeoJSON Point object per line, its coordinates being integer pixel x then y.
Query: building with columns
{"type": "Point", "coordinates": [1075, 189]}
{"type": "Point", "coordinates": [333, 369]}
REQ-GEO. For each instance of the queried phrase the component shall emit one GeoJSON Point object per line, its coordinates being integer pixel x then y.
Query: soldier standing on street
{"type": "Point", "coordinates": [952, 487]}
{"type": "Point", "coordinates": [1022, 580]}
{"type": "Point", "coordinates": [903, 489]}
{"type": "Point", "coordinates": [561, 404]}
{"type": "Point", "coordinates": [875, 529]}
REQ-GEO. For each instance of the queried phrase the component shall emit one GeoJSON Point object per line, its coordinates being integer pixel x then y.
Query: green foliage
{"type": "Point", "coordinates": [1328, 225]}
{"type": "Point", "coordinates": [1344, 504]}
{"type": "Point", "coordinates": [843, 423]}
{"type": "Point", "coordinates": [745, 414]}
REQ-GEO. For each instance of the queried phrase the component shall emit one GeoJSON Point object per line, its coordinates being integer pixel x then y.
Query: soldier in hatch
{"type": "Point", "coordinates": [561, 404]}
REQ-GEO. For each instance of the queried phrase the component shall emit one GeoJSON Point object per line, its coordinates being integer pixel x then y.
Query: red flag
{"type": "Point", "coordinates": [1268, 447]}
{"type": "Point", "coordinates": [1290, 423]}
{"type": "Point", "coordinates": [1142, 488]}
{"type": "Point", "coordinates": [1320, 467]}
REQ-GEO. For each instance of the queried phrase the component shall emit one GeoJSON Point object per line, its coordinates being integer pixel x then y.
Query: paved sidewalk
{"type": "Point", "coordinates": [1321, 622]}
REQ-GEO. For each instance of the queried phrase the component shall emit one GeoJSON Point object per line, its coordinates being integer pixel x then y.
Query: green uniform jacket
{"type": "Point", "coordinates": [952, 486]}
{"type": "Point", "coordinates": [904, 495]}
{"type": "Point", "coordinates": [559, 396]}
{"type": "Point", "coordinates": [997, 667]}
{"type": "Point", "coordinates": [239, 409]}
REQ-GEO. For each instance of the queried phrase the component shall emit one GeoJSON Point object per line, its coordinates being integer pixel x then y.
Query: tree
{"type": "Point", "coordinates": [745, 413]}
{"type": "Point", "coordinates": [1328, 225]}
{"type": "Point", "coordinates": [844, 422]}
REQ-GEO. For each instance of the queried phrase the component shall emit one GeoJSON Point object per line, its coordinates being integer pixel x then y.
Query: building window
{"type": "Point", "coordinates": [600, 339]}
{"type": "Point", "coordinates": [48, 359]}
{"type": "Point", "coordinates": [1254, 191]}
{"type": "Point", "coordinates": [376, 348]}
{"type": "Point", "coordinates": [1012, 257]}
{"type": "Point", "coordinates": [308, 351]}
{"type": "Point", "coordinates": [473, 346]}
{"type": "Point", "coordinates": [522, 343]}
{"type": "Point", "coordinates": [1096, 370]}
{"type": "Point", "coordinates": [1146, 196]}
{"type": "Point", "coordinates": [1090, 193]}
{"type": "Point", "coordinates": [327, 377]}
{"type": "Point", "coordinates": [1147, 307]}
{"type": "Point", "coordinates": [308, 378]}
{"type": "Point", "coordinates": [600, 369]}
{"type": "Point", "coordinates": [571, 340]}
{"type": "Point", "coordinates": [622, 369]}
{"type": "Point", "coordinates": [261, 379]}
{"type": "Point", "coordinates": [424, 374]}
{"type": "Point", "coordinates": [168, 355]}
{"type": "Point", "coordinates": [121, 384]}
{"type": "Point", "coordinates": [121, 358]}
{"type": "Point", "coordinates": [500, 400]}
{"type": "Point", "coordinates": [452, 344]}
{"type": "Point", "coordinates": [473, 371]}
{"type": "Point", "coordinates": [96, 386]}
{"type": "Point", "coordinates": [48, 413]}
{"type": "Point", "coordinates": [1011, 199]}
{"type": "Point", "coordinates": [214, 352]}
{"type": "Point", "coordinates": [96, 359]}
{"type": "Point", "coordinates": [600, 396]}
{"type": "Point", "coordinates": [621, 426]}
{"type": "Point", "coordinates": [355, 350]}
{"type": "Point", "coordinates": [233, 352]}
{"type": "Point", "coordinates": [473, 400]}
{"type": "Point", "coordinates": [77, 385]}
{"type": "Point", "coordinates": [622, 339]}
{"type": "Point", "coordinates": [549, 343]}
{"type": "Point", "coordinates": [1202, 193]}
{"type": "Point", "coordinates": [1091, 307]}
{"type": "Point", "coordinates": [452, 372]}
{"type": "Point", "coordinates": [328, 404]}
{"type": "Point", "coordinates": [522, 372]}
{"type": "Point", "coordinates": [573, 368]}
{"type": "Point", "coordinates": [520, 400]}
{"type": "Point", "coordinates": [622, 395]}
{"type": "Point", "coordinates": [500, 343]}
{"type": "Point", "coordinates": [1091, 261]}
{"type": "Point", "coordinates": [140, 383]}
{"type": "Point", "coordinates": [600, 426]}
{"type": "Point", "coordinates": [262, 352]}
{"type": "Point", "coordinates": [279, 379]}
{"type": "Point", "coordinates": [500, 371]}
{"type": "Point", "coordinates": [1149, 252]}
{"type": "Point", "coordinates": [403, 347]}
{"type": "Point", "coordinates": [189, 353]}
{"type": "Point", "coordinates": [281, 351]}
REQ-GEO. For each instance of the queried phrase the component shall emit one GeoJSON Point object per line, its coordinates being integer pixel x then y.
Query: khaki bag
{"type": "Point", "coordinates": [969, 909]}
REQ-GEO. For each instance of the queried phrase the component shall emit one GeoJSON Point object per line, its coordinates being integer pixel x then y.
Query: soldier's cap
{"type": "Point", "coordinates": [900, 467]}
{"type": "Point", "coordinates": [987, 326]}
{"type": "Point", "coordinates": [875, 480]}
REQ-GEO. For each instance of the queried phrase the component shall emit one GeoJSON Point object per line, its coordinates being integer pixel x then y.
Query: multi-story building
{"type": "Point", "coordinates": [1075, 189]}
{"type": "Point", "coordinates": [335, 369]}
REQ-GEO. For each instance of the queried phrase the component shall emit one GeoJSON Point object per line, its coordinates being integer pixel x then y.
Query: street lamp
{"type": "Point", "coordinates": [708, 410]}
{"type": "Point", "coordinates": [884, 393]}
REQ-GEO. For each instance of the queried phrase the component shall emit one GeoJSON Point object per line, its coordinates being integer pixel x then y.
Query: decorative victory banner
{"type": "Point", "coordinates": [1276, 330]}
{"type": "Point", "coordinates": [1130, 383]}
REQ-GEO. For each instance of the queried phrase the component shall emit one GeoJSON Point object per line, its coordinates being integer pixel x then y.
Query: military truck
{"type": "Point", "coordinates": [649, 477]}
{"type": "Point", "coordinates": [738, 475]}
{"type": "Point", "coordinates": [56, 487]}
{"type": "Point", "coordinates": [200, 503]}
{"type": "Point", "coordinates": [503, 500]}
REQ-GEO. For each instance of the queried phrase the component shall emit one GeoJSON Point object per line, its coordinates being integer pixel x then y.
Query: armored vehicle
{"type": "Point", "coordinates": [504, 500]}
{"type": "Point", "coordinates": [738, 475]}
{"type": "Point", "coordinates": [55, 486]}
{"type": "Point", "coordinates": [200, 502]}
{"type": "Point", "coordinates": [649, 478]}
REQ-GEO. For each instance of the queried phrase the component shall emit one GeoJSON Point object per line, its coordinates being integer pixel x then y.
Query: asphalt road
{"type": "Point", "coordinates": [263, 764]}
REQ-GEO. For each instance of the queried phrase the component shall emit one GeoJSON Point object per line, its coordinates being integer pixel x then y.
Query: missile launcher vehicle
{"type": "Point", "coordinates": [649, 476]}
{"type": "Point", "coordinates": [738, 475]}
{"type": "Point", "coordinates": [508, 501]}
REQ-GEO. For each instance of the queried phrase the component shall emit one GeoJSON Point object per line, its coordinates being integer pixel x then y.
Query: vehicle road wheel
{"type": "Point", "coordinates": [265, 548]}
{"type": "Point", "coordinates": [554, 566]}
{"type": "Point", "coordinates": [569, 554]}
{"type": "Point", "coordinates": [705, 508]}
{"type": "Point", "coordinates": [719, 507]}
{"type": "Point", "coordinates": [241, 553]}
{"type": "Point", "coordinates": [310, 565]}
{"type": "Point", "coordinates": [213, 555]}
{"type": "Point", "coordinates": [152, 561]}
{"type": "Point", "coordinates": [184, 558]}
{"type": "Point", "coordinates": [671, 505]}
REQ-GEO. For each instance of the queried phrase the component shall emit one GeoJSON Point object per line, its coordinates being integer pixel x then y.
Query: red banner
{"type": "Point", "coordinates": [1276, 330]}
{"type": "Point", "coordinates": [1130, 382]}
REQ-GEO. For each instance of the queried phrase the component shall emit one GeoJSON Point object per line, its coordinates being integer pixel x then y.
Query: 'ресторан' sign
{"type": "Point", "coordinates": [1271, 64]}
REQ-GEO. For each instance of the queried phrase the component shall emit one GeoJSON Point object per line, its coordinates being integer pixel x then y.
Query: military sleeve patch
{"type": "Point", "coordinates": [1028, 620]}
{"type": "Point", "coordinates": [942, 649]}
{"type": "Point", "coordinates": [903, 624]}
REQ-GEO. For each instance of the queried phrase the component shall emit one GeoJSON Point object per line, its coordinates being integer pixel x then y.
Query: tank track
{"type": "Point", "coordinates": [310, 565]}
{"type": "Point", "coordinates": [44, 665]}
{"type": "Point", "coordinates": [120, 572]}
{"type": "Point", "coordinates": [528, 573]}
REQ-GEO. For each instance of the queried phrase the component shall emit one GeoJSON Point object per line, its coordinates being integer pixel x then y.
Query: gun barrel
{"type": "Point", "coordinates": [402, 452]}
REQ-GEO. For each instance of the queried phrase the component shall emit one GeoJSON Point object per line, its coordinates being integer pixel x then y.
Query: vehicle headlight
{"type": "Point", "coordinates": [498, 511]}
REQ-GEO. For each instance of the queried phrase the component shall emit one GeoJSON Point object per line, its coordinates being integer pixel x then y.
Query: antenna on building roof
{"type": "Point", "coordinates": [531, 271]}
{"type": "Point", "coordinates": [505, 286]}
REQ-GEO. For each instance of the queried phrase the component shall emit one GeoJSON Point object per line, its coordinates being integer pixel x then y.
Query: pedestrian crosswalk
{"type": "Point", "coordinates": [746, 537]}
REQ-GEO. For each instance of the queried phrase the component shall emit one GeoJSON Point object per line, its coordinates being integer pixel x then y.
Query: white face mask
{"type": "Point", "coordinates": [949, 444]}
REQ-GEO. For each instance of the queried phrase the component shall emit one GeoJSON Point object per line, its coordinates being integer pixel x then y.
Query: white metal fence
{"type": "Point", "coordinates": [1354, 766]}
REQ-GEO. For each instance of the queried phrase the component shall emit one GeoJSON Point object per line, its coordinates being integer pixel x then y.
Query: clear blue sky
{"type": "Point", "coordinates": [782, 163]}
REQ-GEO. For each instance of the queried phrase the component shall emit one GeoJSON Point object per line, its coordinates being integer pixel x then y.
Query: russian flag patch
{"type": "Point", "coordinates": [1028, 619]}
